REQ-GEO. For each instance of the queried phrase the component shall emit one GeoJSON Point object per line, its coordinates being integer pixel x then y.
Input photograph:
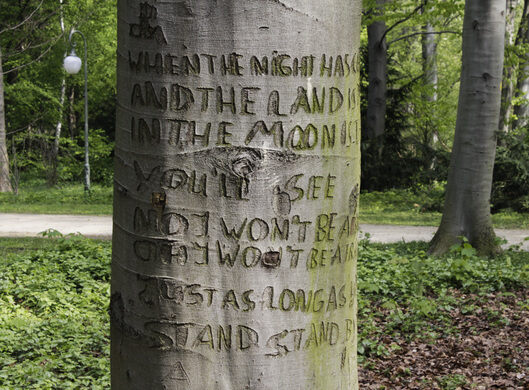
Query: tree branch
{"type": "Point", "coordinates": [39, 57]}
{"type": "Point", "coordinates": [423, 33]}
{"type": "Point", "coordinates": [24, 21]}
{"type": "Point", "coordinates": [417, 9]}
{"type": "Point", "coordinates": [30, 46]}
{"type": "Point", "coordinates": [25, 127]}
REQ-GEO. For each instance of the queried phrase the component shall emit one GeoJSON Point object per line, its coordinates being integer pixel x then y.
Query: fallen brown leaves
{"type": "Point", "coordinates": [488, 348]}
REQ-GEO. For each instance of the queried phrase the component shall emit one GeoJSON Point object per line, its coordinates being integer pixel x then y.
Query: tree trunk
{"type": "Point", "coordinates": [509, 68]}
{"type": "Point", "coordinates": [467, 204]}
{"type": "Point", "coordinates": [521, 111]}
{"type": "Point", "coordinates": [429, 64]}
{"type": "Point", "coordinates": [429, 67]}
{"type": "Point", "coordinates": [58, 126]}
{"type": "Point", "coordinates": [237, 184]}
{"type": "Point", "coordinates": [72, 120]}
{"type": "Point", "coordinates": [5, 182]}
{"type": "Point", "coordinates": [377, 75]}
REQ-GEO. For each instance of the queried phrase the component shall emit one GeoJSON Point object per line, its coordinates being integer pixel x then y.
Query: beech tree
{"type": "Point", "coordinates": [521, 110]}
{"type": "Point", "coordinates": [509, 69]}
{"type": "Point", "coordinates": [378, 73]}
{"type": "Point", "coordinates": [467, 203]}
{"type": "Point", "coordinates": [5, 182]}
{"type": "Point", "coordinates": [236, 194]}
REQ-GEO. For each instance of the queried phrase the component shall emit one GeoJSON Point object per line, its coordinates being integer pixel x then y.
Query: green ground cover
{"type": "Point", "coordinates": [54, 295]}
{"type": "Point", "coordinates": [394, 207]}
{"type": "Point", "coordinates": [53, 314]}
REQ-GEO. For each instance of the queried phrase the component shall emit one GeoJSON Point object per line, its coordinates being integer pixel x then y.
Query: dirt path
{"type": "Point", "coordinates": [30, 225]}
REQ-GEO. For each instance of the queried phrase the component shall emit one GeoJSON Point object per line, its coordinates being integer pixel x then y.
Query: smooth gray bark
{"type": "Point", "coordinates": [431, 79]}
{"type": "Point", "coordinates": [467, 205]}
{"type": "Point", "coordinates": [429, 65]}
{"type": "Point", "coordinates": [521, 111]}
{"type": "Point", "coordinates": [236, 194]}
{"type": "Point", "coordinates": [377, 75]}
{"type": "Point", "coordinates": [58, 126]}
{"type": "Point", "coordinates": [5, 182]}
{"type": "Point", "coordinates": [509, 69]}
{"type": "Point", "coordinates": [72, 120]}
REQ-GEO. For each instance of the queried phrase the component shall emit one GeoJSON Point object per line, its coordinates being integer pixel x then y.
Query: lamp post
{"type": "Point", "coordinates": [72, 64]}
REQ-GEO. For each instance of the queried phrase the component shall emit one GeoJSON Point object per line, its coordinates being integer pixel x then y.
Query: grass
{"type": "Point", "coordinates": [54, 295]}
{"type": "Point", "coordinates": [416, 208]}
{"type": "Point", "coordinates": [394, 207]}
{"type": "Point", "coordinates": [37, 198]}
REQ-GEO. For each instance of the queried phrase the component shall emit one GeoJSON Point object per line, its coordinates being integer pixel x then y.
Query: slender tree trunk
{"type": "Point", "coordinates": [54, 154]}
{"type": "Point", "coordinates": [429, 65]}
{"type": "Point", "coordinates": [521, 111]}
{"type": "Point", "coordinates": [467, 204]}
{"type": "Point", "coordinates": [237, 184]}
{"type": "Point", "coordinates": [5, 182]}
{"type": "Point", "coordinates": [72, 120]}
{"type": "Point", "coordinates": [509, 68]}
{"type": "Point", "coordinates": [377, 75]}
{"type": "Point", "coordinates": [431, 78]}
{"type": "Point", "coordinates": [58, 126]}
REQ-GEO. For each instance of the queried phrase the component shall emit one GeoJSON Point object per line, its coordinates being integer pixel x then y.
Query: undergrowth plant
{"type": "Point", "coordinates": [54, 296]}
{"type": "Point", "coordinates": [413, 293]}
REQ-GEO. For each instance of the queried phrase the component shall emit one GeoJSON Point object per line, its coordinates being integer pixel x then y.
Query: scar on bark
{"type": "Point", "coordinates": [245, 162]}
{"type": "Point", "coordinates": [271, 259]}
{"type": "Point", "coordinates": [159, 200]}
{"type": "Point", "coordinates": [121, 189]}
{"type": "Point", "coordinates": [186, 9]}
{"type": "Point", "coordinates": [281, 202]}
{"type": "Point", "coordinates": [353, 199]}
{"type": "Point", "coordinates": [293, 9]}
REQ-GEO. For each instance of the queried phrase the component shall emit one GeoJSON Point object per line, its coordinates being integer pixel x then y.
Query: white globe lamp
{"type": "Point", "coordinates": [72, 64]}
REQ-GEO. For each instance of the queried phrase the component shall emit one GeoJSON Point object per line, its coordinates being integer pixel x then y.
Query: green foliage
{"type": "Point", "coordinates": [71, 161]}
{"type": "Point", "coordinates": [53, 316]}
{"type": "Point", "coordinates": [511, 172]}
{"type": "Point", "coordinates": [452, 382]}
{"type": "Point", "coordinates": [32, 58]}
{"type": "Point", "coordinates": [406, 270]}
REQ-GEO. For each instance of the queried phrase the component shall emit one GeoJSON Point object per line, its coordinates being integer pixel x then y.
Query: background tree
{"type": "Point", "coordinates": [510, 65]}
{"type": "Point", "coordinates": [521, 110]}
{"type": "Point", "coordinates": [5, 182]}
{"type": "Point", "coordinates": [378, 72]}
{"type": "Point", "coordinates": [421, 96]}
{"type": "Point", "coordinates": [62, 97]}
{"type": "Point", "coordinates": [467, 203]}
